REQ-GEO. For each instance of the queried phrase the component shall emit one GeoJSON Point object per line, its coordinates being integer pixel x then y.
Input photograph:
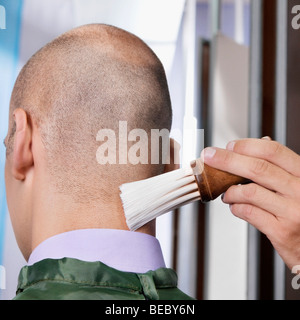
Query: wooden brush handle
{"type": "Point", "coordinates": [213, 182]}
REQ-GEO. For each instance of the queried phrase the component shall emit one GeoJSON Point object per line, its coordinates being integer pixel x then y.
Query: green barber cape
{"type": "Point", "coordinates": [72, 279]}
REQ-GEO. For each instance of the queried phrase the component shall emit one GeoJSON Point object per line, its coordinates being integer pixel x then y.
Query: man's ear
{"type": "Point", "coordinates": [174, 156]}
{"type": "Point", "coordinates": [22, 153]}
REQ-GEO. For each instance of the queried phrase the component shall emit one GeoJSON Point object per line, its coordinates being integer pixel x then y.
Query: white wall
{"type": "Point", "coordinates": [226, 251]}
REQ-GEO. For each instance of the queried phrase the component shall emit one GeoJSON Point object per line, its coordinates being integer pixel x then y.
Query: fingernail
{"type": "Point", "coordinates": [230, 146]}
{"type": "Point", "coordinates": [208, 153]}
{"type": "Point", "coordinates": [267, 138]}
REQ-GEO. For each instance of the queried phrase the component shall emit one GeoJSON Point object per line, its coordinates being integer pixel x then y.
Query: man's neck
{"type": "Point", "coordinates": [49, 220]}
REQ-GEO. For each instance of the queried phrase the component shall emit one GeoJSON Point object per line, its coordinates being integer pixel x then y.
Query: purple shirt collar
{"type": "Point", "coordinates": [123, 250]}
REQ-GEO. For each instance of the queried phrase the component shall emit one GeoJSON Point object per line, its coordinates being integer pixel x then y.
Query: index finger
{"type": "Point", "coordinates": [258, 170]}
{"type": "Point", "coordinates": [271, 151]}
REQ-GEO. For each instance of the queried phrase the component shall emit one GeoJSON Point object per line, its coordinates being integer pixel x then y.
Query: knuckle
{"type": "Point", "coordinates": [249, 191]}
{"type": "Point", "coordinates": [241, 147]}
{"type": "Point", "coordinates": [259, 167]}
{"type": "Point", "coordinates": [243, 211]}
{"type": "Point", "coordinates": [227, 158]}
{"type": "Point", "coordinates": [248, 212]}
{"type": "Point", "coordinates": [274, 148]}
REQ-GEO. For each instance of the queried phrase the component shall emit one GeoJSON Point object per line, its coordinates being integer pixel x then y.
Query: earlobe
{"type": "Point", "coordinates": [22, 152]}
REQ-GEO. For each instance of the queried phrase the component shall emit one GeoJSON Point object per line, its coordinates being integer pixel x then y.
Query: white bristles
{"type": "Point", "coordinates": [147, 199]}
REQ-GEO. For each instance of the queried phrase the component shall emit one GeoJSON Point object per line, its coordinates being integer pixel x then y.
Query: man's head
{"type": "Point", "coordinates": [88, 79]}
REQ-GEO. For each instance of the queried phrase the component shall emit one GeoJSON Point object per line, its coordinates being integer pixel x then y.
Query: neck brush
{"type": "Point", "coordinates": [147, 199]}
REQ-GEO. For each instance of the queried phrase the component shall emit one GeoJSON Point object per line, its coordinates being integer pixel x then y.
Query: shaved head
{"type": "Point", "coordinates": [89, 79]}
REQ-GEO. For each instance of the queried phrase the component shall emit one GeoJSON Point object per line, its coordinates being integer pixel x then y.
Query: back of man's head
{"type": "Point", "coordinates": [86, 80]}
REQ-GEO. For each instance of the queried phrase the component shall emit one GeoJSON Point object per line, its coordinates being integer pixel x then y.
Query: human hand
{"type": "Point", "coordinates": [272, 202]}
